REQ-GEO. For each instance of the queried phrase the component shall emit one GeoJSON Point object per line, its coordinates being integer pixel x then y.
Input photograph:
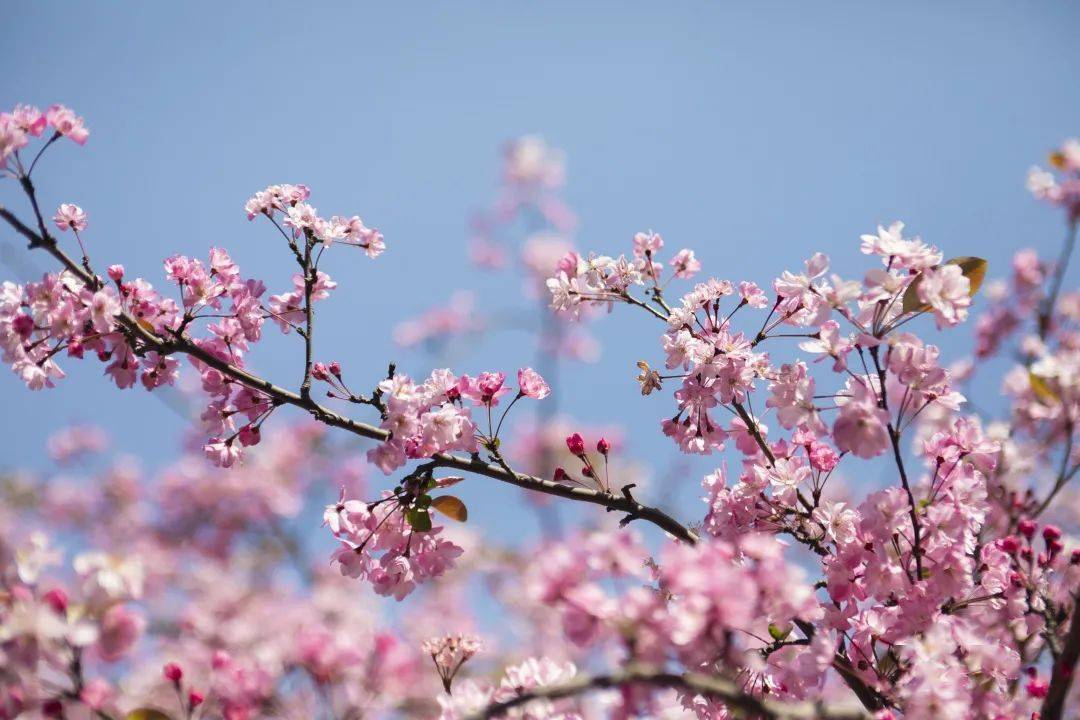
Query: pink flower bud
{"type": "Point", "coordinates": [172, 672]}
{"type": "Point", "coordinates": [116, 272]}
{"type": "Point", "coordinates": [1037, 687]}
{"type": "Point", "coordinates": [23, 325]}
{"type": "Point", "coordinates": [1027, 528]}
{"type": "Point", "coordinates": [220, 659]}
{"type": "Point", "coordinates": [603, 446]}
{"type": "Point", "coordinates": [57, 599]}
{"type": "Point", "coordinates": [560, 475]}
{"type": "Point", "coordinates": [576, 444]}
{"type": "Point", "coordinates": [96, 694]}
{"type": "Point", "coordinates": [1051, 533]}
{"type": "Point", "coordinates": [1010, 544]}
{"type": "Point", "coordinates": [195, 699]}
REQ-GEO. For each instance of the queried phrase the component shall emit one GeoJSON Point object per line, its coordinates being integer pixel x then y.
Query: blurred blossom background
{"type": "Point", "coordinates": [754, 133]}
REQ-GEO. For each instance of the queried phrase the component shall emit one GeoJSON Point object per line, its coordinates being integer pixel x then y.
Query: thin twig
{"type": "Point", "coordinates": [739, 702]}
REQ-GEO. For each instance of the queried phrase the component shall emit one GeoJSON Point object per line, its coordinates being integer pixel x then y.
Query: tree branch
{"type": "Point", "coordinates": [1062, 674]}
{"type": "Point", "coordinates": [731, 694]}
{"type": "Point", "coordinates": [1046, 313]}
{"type": "Point", "coordinates": [894, 438]}
{"type": "Point", "coordinates": [183, 345]}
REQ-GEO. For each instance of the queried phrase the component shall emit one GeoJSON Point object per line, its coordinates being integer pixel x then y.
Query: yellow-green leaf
{"type": "Point", "coordinates": [419, 519]}
{"type": "Point", "coordinates": [451, 507]}
{"type": "Point", "coordinates": [974, 269]}
{"type": "Point", "coordinates": [912, 302]}
{"type": "Point", "coordinates": [146, 714]}
{"type": "Point", "coordinates": [1042, 388]}
{"type": "Point", "coordinates": [779, 633]}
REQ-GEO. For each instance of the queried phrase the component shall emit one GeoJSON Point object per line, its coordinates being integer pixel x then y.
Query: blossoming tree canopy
{"type": "Point", "coordinates": [948, 592]}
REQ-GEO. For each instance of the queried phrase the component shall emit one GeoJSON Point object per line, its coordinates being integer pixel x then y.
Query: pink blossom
{"type": "Point", "coordinates": [685, 264]}
{"type": "Point", "coordinates": [530, 384]}
{"type": "Point", "coordinates": [65, 122]}
{"type": "Point", "coordinates": [861, 427]}
{"type": "Point", "coordinates": [70, 217]}
{"type": "Point", "coordinates": [120, 630]}
{"type": "Point", "coordinates": [947, 292]}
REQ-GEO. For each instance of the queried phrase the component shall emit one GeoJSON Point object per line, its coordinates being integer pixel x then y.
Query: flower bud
{"type": "Point", "coordinates": [1009, 544]}
{"type": "Point", "coordinates": [57, 599]}
{"type": "Point", "coordinates": [172, 672]}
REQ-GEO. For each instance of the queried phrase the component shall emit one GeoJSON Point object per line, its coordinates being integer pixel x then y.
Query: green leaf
{"type": "Point", "coordinates": [146, 714]}
{"type": "Point", "coordinates": [973, 268]}
{"type": "Point", "coordinates": [451, 507]}
{"type": "Point", "coordinates": [912, 302]}
{"type": "Point", "coordinates": [1042, 389]}
{"type": "Point", "coordinates": [777, 633]}
{"type": "Point", "coordinates": [419, 519]}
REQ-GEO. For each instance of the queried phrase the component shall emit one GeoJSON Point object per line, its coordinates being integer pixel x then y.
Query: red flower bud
{"type": "Point", "coordinates": [195, 699]}
{"type": "Point", "coordinates": [57, 599]}
{"type": "Point", "coordinates": [576, 444]}
{"type": "Point", "coordinates": [1009, 544]}
{"type": "Point", "coordinates": [602, 446]}
{"type": "Point", "coordinates": [1026, 528]}
{"type": "Point", "coordinates": [172, 672]}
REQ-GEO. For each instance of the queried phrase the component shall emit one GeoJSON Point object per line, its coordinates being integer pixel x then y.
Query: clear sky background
{"type": "Point", "coordinates": [756, 133]}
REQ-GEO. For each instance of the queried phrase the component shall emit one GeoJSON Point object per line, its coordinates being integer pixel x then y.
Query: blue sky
{"type": "Point", "coordinates": [755, 133]}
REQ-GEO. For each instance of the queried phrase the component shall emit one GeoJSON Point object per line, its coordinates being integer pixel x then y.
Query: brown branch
{"type": "Point", "coordinates": [310, 276]}
{"type": "Point", "coordinates": [1062, 674]}
{"type": "Point", "coordinates": [183, 345]}
{"type": "Point", "coordinates": [894, 438]}
{"type": "Point", "coordinates": [1046, 313]}
{"type": "Point", "coordinates": [739, 702]}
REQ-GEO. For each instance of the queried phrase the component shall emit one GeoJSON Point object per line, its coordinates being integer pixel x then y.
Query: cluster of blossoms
{"type": "Point", "coordinates": [183, 597]}
{"type": "Point", "coordinates": [719, 365]}
{"type": "Point", "coordinates": [948, 590]}
{"type": "Point", "coordinates": [435, 416]}
{"type": "Point", "coordinates": [449, 653]}
{"type": "Point", "coordinates": [25, 122]}
{"type": "Point", "coordinates": [1063, 191]}
{"type": "Point", "coordinates": [290, 202]}
{"type": "Point", "coordinates": [422, 421]}
{"type": "Point", "coordinates": [681, 607]}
